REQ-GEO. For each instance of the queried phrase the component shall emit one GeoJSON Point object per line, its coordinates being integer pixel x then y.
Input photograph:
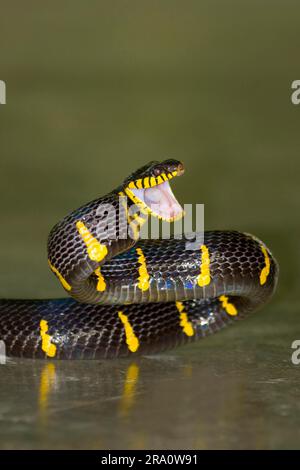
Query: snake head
{"type": "Point", "coordinates": [149, 188]}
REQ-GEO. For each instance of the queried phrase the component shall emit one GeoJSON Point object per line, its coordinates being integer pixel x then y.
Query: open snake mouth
{"type": "Point", "coordinates": [154, 195]}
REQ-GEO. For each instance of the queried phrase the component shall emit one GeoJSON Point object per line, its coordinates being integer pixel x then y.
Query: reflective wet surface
{"type": "Point", "coordinates": [90, 97]}
{"type": "Point", "coordinates": [239, 389]}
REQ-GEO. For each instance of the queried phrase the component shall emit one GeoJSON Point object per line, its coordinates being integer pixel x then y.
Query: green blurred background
{"type": "Point", "coordinates": [95, 89]}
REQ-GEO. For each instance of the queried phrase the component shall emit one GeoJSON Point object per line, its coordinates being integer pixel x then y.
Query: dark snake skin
{"type": "Point", "coordinates": [81, 330]}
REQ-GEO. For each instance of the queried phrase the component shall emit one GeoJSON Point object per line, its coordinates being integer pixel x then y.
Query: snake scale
{"type": "Point", "coordinates": [131, 296]}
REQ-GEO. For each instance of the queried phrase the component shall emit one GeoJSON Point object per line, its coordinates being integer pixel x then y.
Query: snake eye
{"type": "Point", "coordinates": [172, 168]}
{"type": "Point", "coordinates": [156, 171]}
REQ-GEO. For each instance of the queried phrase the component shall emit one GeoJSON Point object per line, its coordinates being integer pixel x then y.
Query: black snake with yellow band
{"type": "Point", "coordinates": [132, 297]}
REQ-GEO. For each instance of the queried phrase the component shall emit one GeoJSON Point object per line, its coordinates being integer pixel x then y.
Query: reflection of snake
{"type": "Point", "coordinates": [134, 297]}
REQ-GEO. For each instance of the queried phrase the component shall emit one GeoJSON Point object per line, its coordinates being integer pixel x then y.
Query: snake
{"type": "Point", "coordinates": [130, 295]}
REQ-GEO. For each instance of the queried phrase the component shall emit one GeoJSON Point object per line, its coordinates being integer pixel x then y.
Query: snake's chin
{"type": "Point", "coordinates": [160, 201]}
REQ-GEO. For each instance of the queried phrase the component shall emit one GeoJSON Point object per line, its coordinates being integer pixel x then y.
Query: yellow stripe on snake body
{"type": "Point", "coordinates": [228, 306]}
{"type": "Point", "coordinates": [204, 276]}
{"type": "Point", "coordinates": [62, 280]}
{"type": "Point", "coordinates": [95, 249]}
{"type": "Point", "coordinates": [144, 277]}
{"type": "Point", "coordinates": [186, 325]}
{"type": "Point", "coordinates": [101, 284]}
{"type": "Point", "coordinates": [47, 346]}
{"type": "Point", "coordinates": [131, 339]}
{"type": "Point", "coordinates": [266, 270]}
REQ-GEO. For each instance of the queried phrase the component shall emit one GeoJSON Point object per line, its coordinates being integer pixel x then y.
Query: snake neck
{"type": "Point", "coordinates": [101, 229]}
{"type": "Point", "coordinates": [81, 242]}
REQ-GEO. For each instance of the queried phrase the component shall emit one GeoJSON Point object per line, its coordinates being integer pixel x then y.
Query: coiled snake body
{"type": "Point", "coordinates": [131, 297]}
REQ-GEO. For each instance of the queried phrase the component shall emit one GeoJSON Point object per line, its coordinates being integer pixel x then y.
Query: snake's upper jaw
{"type": "Point", "coordinates": [159, 201]}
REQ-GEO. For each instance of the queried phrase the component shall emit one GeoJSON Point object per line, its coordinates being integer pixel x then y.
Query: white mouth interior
{"type": "Point", "coordinates": [161, 200]}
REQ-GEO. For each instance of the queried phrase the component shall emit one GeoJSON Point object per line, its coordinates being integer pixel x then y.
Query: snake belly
{"type": "Point", "coordinates": [131, 297]}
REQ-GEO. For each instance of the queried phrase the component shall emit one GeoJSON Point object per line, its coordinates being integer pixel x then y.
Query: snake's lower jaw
{"type": "Point", "coordinates": [161, 201]}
